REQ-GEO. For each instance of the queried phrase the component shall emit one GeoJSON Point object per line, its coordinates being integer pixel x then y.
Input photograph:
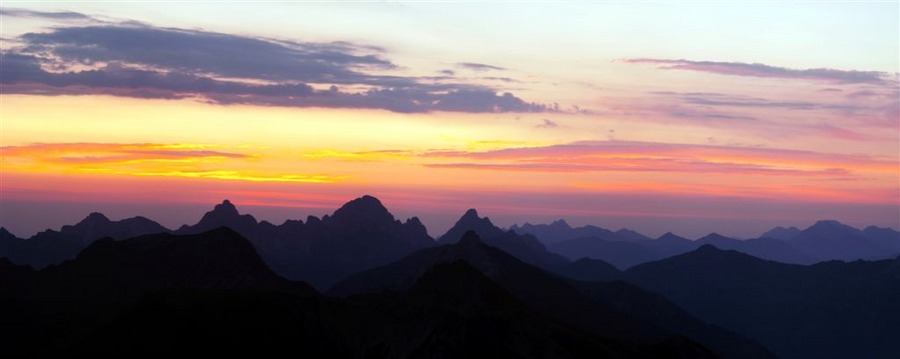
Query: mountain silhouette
{"type": "Point", "coordinates": [361, 234]}
{"type": "Point", "coordinates": [470, 221]}
{"type": "Point", "coordinates": [224, 214]}
{"type": "Point", "coordinates": [766, 248]}
{"type": "Point", "coordinates": [543, 292]}
{"type": "Point", "coordinates": [53, 309]}
{"type": "Point", "coordinates": [559, 231]}
{"type": "Point", "coordinates": [827, 310]}
{"type": "Point", "coordinates": [210, 293]}
{"type": "Point", "coordinates": [829, 239]}
{"type": "Point", "coordinates": [618, 253]}
{"type": "Point", "coordinates": [781, 233]}
{"type": "Point", "coordinates": [884, 237]}
{"type": "Point", "coordinates": [53, 247]}
{"type": "Point", "coordinates": [524, 247]}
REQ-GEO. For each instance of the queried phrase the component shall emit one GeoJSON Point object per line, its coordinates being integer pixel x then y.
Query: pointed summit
{"type": "Point", "coordinates": [225, 209]}
{"type": "Point", "coordinates": [471, 222]}
{"type": "Point", "coordinates": [560, 223]}
{"type": "Point", "coordinates": [224, 214]}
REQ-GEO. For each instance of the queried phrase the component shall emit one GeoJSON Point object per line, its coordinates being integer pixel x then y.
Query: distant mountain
{"type": "Point", "coordinates": [781, 233]}
{"type": "Point", "coordinates": [618, 253]}
{"type": "Point", "coordinates": [827, 310]}
{"type": "Point", "coordinates": [624, 253]}
{"type": "Point", "coordinates": [52, 247]}
{"type": "Point", "coordinates": [361, 234]}
{"type": "Point", "coordinates": [827, 240]}
{"type": "Point", "coordinates": [524, 247]}
{"type": "Point", "coordinates": [549, 295]}
{"type": "Point", "coordinates": [766, 248]}
{"type": "Point", "coordinates": [559, 231]}
{"type": "Point", "coordinates": [884, 237]}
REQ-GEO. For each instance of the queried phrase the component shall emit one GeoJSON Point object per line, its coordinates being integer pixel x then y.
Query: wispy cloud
{"type": "Point", "coordinates": [55, 15]}
{"type": "Point", "coordinates": [150, 62]}
{"type": "Point", "coordinates": [144, 159]}
{"type": "Point", "coordinates": [768, 71]}
{"type": "Point", "coordinates": [625, 156]}
{"type": "Point", "coordinates": [474, 66]}
{"type": "Point", "coordinates": [545, 123]}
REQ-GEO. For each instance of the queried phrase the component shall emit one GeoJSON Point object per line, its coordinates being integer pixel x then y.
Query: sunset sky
{"type": "Point", "coordinates": [693, 117]}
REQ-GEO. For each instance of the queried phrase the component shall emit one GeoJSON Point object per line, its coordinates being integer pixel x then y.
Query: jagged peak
{"type": "Point", "coordinates": [414, 221]}
{"type": "Point", "coordinates": [560, 223]}
{"type": "Point", "coordinates": [226, 207]}
{"type": "Point", "coordinates": [470, 213]}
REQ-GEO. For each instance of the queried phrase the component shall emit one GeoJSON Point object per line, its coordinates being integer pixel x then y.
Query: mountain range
{"type": "Point", "coordinates": [232, 284]}
{"type": "Point", "coordinates": [210, 293]}
{"type": "Point", "coordinates": [825, 240]}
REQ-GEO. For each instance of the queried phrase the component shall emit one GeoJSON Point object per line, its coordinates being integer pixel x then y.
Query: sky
{"type": "Point", "coordinates": [691, 117]}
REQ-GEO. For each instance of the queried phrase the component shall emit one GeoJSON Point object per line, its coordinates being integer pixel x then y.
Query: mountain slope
{"type": "Point", "coordinates": [543, 292]}
{"type": "Point", "coordinates": [618, 253]}
{"type": "Point", "coordinates": [827, 310]}
{"type": "Point", "coordinates": [766, 248]}
{"type": "Point", "coordinates": [210, 294]}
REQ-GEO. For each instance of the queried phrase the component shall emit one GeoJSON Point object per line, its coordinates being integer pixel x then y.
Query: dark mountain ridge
{"type": "Point", "coordinates": [831, 309]}
{"type": "Point", "coordinates": [210, 293]}
{"type": "Point", "coordinates": [543, 292]}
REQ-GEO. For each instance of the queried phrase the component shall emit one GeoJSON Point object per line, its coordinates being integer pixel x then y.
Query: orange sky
{"type": "Point", "coordinates": [637, 139]}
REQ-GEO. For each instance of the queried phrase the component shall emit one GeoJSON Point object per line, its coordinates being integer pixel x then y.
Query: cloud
{"type": "Point", "coordinates": [112, 152]}
{"type": "Point", "coordinates": [767, 71]}
{"type": "Point", "coordinates": [54, 15]}
{"type": "Point", "coordinates": [151, 62]}
{"type": "Point", "coordinates": [545, 123]}
{"type": "Point", "coordinates": [474, 66]}
{"type": "Point", "coordinates": [627, 156]}
{"type": "Point", "coordinates": [143, 159]}
{"type": "Point", "coordinates": [739, 101]}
